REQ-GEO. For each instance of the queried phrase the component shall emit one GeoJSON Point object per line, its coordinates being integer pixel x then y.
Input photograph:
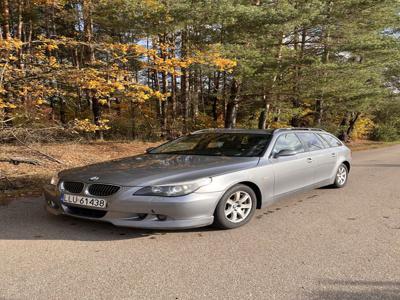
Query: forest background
{"type": "Point", "coordinates": [153, 70]}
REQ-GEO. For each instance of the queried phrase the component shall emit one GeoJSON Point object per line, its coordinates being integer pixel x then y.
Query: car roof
{"type": "Point", "coordinates": [255, 131]}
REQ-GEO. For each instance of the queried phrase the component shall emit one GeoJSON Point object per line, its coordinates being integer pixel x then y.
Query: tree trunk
{"type": "Point", "coordinates": [63, 115]}
{"type": "Point", "coordinates": [232, 105]}
{"type": "Point", "coordinates": [6, 20]}
{"type": "Point", "coordinates": [262, 121]}
{"type": "Point", "coordinates": [173, 96]}
{"type": "Point", "coordinates": [214, 95]}
{"type": "Point", "coordinates": [133, 120]}
{"type": "Point", "coordinates": [325, 60]}
{"type": "Point", "coordinates": [6, 35]}
{"type": "Point", "coordinates": [173, 86]}
{"type": "Point", "coordinates": [164, 106]}
{"type": "Point", "coordinates": [88, 30]}
{"type": "Point", "coordinates": [196, 95]}
{"type": "Point", "coordinates": [156, 86]}
{"type": "Point", "coordinates": [164, 88]}
{"type": "Point", "coordinates": [343, 136]}
{"type": "Point", "coordinates": [96, 109]}
{"type": "Point", "coordinates": [185, 85]}
{"type": "Point", "coordinates": [19, 33]}
{"type": "Point", "coordinates": [352, 123]}
{"type": "Point", "coordinates": [295, 120]}
{"type": "Point", "coordinates": [319, 111]}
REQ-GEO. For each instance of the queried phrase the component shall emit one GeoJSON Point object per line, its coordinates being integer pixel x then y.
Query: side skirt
{"type": "Point", "coordinates": [298, 191]}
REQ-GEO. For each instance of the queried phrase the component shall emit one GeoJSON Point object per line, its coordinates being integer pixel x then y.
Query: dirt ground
{"type": "Point", "coordinates": [24, 180]}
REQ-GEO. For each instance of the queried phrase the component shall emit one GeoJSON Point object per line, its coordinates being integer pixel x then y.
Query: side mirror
{"type": "Point", "coordinates": [285, 152]}
{"type": "Point", "coordinates": [148, 150]}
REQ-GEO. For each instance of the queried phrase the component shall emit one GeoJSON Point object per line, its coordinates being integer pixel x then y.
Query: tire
{"type": "Point", "coordinates": [341, 177]}
{"type": "Point", "coordinates": [236, 207]}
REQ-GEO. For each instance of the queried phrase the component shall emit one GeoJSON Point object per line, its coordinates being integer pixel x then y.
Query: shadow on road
{"type": "Point", "coordinates": [26, 219]}
{"type": "Point", "coordinates": [357, 290]}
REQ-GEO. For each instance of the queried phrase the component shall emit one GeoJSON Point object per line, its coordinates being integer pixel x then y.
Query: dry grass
{"type": "Point", "coordinates": [26, 180]}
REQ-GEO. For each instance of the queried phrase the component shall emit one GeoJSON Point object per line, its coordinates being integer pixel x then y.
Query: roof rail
{"type": "Point", "coordinates": [234, 130]}
{"type": "Point", "coordinates": [297, 128]}
{"type": "Point", "coordinates": [204, 130]}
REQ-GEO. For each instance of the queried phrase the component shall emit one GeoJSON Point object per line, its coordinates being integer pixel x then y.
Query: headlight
{"type": "Point", "coordinates": [174, 190]}
{"type": "Point", "coordinates": [54, 180]}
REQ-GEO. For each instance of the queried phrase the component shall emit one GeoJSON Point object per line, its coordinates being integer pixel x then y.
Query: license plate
{"type": "Point", "coordinates": [84, 201]}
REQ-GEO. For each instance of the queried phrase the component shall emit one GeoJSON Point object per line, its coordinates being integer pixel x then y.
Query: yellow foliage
{"type": "Point", "coordinates": [363, 128]}
{"type": "Point", "coordinates": [86, 126]}
{"type": "Point", "coordinates": [12, 58]}
{"type": "Point", "coordinates": [102, 79]}
{"type": "Point", "coordinates": [224, 64]}
{"type": "Point", "coordinates": [52, 46]}
{"type": "Point", "coordinates": [11, 44]}
{"type": "Point", "coordinates": [7, 105]}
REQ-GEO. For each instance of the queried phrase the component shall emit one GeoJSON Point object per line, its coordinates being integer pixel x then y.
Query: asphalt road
{"type": "Point", "coordinates": [323, 244]}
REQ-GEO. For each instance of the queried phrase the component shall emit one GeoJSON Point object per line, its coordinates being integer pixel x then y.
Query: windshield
{"type": "Point", "coordinates": [217, 144]}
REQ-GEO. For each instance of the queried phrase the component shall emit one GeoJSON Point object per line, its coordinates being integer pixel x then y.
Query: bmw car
{"type": "Point", "coordinates": [213, 176]}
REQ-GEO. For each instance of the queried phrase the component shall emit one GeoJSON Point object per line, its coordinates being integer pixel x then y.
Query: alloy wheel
{"type": "Point", "coordinates": [238, 206]}
{"type": "Point", "coordinates": [341, 175]}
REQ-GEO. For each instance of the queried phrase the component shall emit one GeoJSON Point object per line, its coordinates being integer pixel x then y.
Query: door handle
{"type": "Point", "coordinates": [333, 154]}
{"type": "Point", "coordinates": [309, 160]}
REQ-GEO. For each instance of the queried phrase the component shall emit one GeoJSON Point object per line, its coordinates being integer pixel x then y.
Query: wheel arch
{"type": "Point", "coordinates": [347, 164]}
{"type": "Point", "coordinates": [256, 190]}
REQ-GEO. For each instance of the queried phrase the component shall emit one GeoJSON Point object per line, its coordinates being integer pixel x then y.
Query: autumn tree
{"type": "Point", "coordinates": [157, 69]}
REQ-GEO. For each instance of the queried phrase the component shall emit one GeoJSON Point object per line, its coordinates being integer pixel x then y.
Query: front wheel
{"type": "Point", "coordinates": [236, 207]}
{"type": "Point", "coordinates": [342, 175]}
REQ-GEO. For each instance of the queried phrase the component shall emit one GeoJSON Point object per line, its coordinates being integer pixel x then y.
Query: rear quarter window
{"type": "Point", "coordinates": [312, 142]}
{"type": "Point", "coordinates": [331, 140]}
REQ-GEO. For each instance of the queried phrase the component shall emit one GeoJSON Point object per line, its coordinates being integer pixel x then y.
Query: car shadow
{"type": "Point", "coordinates": [26, 219]}
{"type": "Point", "coordinates": [327, 187]}
{"type": "Point", "coordinates": [357, 290]}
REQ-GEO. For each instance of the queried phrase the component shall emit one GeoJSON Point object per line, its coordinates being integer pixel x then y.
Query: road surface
{"type": "Point", "coordinates": [323, 244]}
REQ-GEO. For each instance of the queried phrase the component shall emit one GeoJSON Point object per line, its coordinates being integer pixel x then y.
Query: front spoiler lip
{"type": "Point", "coordinates": [143, 224]}
{"type": "Point", "coordinates": [181, 220]}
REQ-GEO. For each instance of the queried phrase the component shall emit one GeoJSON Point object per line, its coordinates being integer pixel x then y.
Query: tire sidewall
{"type": "Point", "coordinates": [219, 216]}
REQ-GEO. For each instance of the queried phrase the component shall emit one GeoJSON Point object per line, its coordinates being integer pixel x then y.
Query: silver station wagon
{"type": "Point", "coordinates": [213, 176]}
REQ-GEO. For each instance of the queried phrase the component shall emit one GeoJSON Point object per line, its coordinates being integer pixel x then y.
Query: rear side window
{"type": "Point", "coordinates": [311, 141]}
{"type": "Point", "coordinates": [326, 144]}
{"type": "Point", "coordinates": [288, 141]}
{"type": "Point", "coordinates": [332, 141]}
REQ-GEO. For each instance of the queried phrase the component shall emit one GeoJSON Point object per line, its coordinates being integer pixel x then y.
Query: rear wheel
{"type": "Point", "coordinates": [342, 175]}
{"type": "Point", "coordinates": [236, 207]}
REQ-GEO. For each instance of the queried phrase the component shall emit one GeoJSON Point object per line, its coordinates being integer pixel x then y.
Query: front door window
{"type": "Point", "coordinates": [288, 141]}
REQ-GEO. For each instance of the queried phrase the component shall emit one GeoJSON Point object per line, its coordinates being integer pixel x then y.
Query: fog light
{"type": "Point", "coordinates": [161, 217]}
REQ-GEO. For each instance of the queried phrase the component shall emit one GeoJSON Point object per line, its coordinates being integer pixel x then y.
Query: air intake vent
{"type": "Point", "coordinates": [103, 189]}
{"type": "Point", "coordinates": [86, 212]}
{"type": "Point", "coordinates": [73, 187]}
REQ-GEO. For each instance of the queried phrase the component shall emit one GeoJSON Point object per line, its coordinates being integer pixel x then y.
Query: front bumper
{"type": "Point", "coordinates": [190, 211]}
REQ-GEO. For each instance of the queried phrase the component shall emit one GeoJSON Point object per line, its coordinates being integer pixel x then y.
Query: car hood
{"type": "Point", "coordinates": [153, 169]}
